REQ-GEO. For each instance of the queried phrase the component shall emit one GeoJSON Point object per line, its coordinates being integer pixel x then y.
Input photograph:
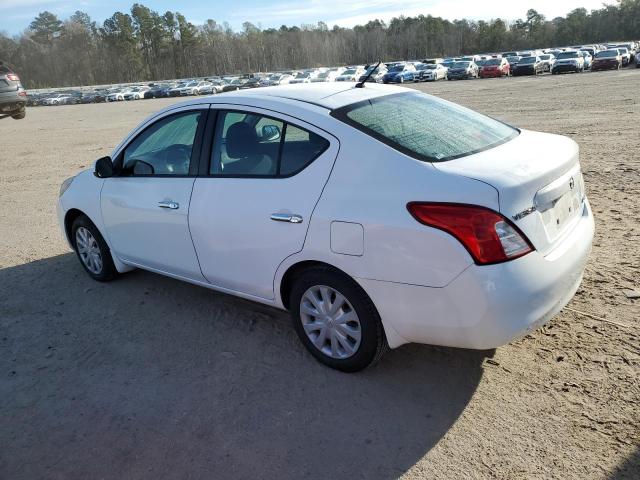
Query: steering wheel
{"type": "Point", "coordinates": [177, 158]}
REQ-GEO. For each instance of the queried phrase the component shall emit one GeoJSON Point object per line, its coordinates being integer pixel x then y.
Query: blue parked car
{"type": "Point", "coordinates": [404, 72]}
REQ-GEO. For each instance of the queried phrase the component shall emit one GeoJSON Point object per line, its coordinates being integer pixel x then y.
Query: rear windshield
{"type": "Point", "coordinates": [607, 53]}
{"type": "Point", "coordinates": [564, 55]}
{"type": "Point", "coordinates": [527, 60]}
{"type": "Point", "coordinates": [425, 127]}
{"type": "Point", "coordinates": [493, 61]}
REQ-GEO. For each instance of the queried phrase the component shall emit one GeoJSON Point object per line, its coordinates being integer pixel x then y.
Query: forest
{"type": "Point", "coordinates": [145, 45]}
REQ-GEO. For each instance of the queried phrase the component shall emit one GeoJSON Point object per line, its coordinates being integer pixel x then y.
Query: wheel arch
{"type": "Point", "coordinates": [394, 340]}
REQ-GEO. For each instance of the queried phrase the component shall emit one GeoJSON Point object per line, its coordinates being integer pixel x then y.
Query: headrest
{"type": "Point", "coordinates": [242, 140]}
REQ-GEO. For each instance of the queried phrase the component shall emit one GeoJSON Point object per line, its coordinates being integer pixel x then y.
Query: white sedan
{"type": "Point", "coordinates": [377, 216]}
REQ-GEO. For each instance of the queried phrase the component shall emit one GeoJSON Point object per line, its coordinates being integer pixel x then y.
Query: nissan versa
{"type": "Point", "coordinates": [377, 216]}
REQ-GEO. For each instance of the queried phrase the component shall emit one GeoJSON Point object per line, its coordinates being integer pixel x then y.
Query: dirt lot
{"type": "Point", "coordinates": [147, 377]}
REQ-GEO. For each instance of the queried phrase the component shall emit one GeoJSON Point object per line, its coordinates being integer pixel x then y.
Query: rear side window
{"type": "Point", "coordinates": [425, 127]}
{"type": "Point", "coordinates": [253, 145]}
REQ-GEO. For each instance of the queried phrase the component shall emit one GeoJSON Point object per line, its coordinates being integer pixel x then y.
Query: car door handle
{"type": "Point", "coordinates": [286, 217]}
{"type": "Point", "coordinates": [169, 204]}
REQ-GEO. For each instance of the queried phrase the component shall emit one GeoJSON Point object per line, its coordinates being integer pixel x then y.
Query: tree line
{"type": "Point", "coordinates": [145, 45]}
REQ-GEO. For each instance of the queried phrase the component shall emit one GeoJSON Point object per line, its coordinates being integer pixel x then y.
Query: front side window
{"type": "Point", "coordinates": [164, 148]}
{"type": "Point", "coordinates": [253, 145]}
{"type": "Point", "coordinates": [425, 127]}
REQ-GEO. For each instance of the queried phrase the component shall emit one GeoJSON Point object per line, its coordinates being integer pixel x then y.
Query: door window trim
{"type": "Point", "coordinates": [207, 147]}
{"type": "Point", "coordinates": [196, 149]}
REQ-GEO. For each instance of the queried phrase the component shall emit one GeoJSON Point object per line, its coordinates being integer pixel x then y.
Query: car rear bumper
{"type": "Point", "coordinates": [11, 102]}
{"type": "Point", "coordinates": [523, 71]}
{"type": "Point", "coordinates": [486, 306]}
{"type": "Point", "coordinates": [604, 66]}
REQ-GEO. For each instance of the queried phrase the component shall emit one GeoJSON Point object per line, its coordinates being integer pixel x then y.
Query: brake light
{"type": "Point", "coordinates": [13, 77]}
{"type": "Point", "coordinates": [488, 236]}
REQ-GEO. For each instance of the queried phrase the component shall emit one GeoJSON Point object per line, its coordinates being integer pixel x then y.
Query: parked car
{"type": "Point", "coordinates": [588, 59]}
{"type": "Point", "coordinates": [13, 96]}
{"type": "Point", "coordinates": [528, 66]}
{"type": "Point", "coordinates": [136, 93]}
{"type": "Point", "coordinates": [277, 79]}
{"type": "Point", "coordinates": [304, 77]}
{"type": "Point", "coordinates": [328, 76]}
{"type": "Point", "coordinates": [513, 60]}
{"type": "Point", "coordinates": [377, 76]}
{"type": "Point", "coordinates": [116, 95]}
{"type": "Point", "coordinates": [57, 99]}
{"type": "Point", "coordinates": [548, 60]}
{"type": "Point", "coordinates": [159, 90]}
{"type": "Point", "coordinates": [213, 86]}
{"type": "Point", "coordinates": [351, 74]}
{"type": "Point", "coordinates": [626, 56]}
{"type": "Point", "coordinates": [637, 60]}
{"type": "Point", "coordinates": [607, 60]}
{"type": "Point", "coordinates": [92, 97]}
{"type": "Point", "coordinates": [234, 85]}
{"type": "Point", "coordinates": [253, 82]}
{"type": "Point", "coordinates": [487, 246]}
{"type": "Point", "coordinates": [569, 61]}
{"type": "Point", "coordinates": [433, 72]}
{"type": "Point", "coordinates": [461, 70]}
{"type": "Point", "coordinates": [496, 67]}
{"type": "Point", "coordinates": [401, 73]}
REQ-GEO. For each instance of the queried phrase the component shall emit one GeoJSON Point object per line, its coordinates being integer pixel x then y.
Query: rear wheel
{"type": "Point", "coordinates": [336, 320]}
{"type": "Point", "coordinates": [20, 115]}
{"type": "Point", "coordinates": [92, 250]}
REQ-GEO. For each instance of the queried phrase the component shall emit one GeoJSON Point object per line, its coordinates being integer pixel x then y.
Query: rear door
{"type": "Point", "coordinates": [252, 208]}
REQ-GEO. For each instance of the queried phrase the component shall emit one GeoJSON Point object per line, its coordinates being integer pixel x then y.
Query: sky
{"type": "Point", "coordinates": [15, 15]}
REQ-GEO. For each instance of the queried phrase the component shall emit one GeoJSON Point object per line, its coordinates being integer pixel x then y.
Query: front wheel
{"type": "Point", "coordinates": [20, 115]}
{"type": "Point", "coordinates": [336, 320]}
{"type": "Point", "coordinates": [92, 250]}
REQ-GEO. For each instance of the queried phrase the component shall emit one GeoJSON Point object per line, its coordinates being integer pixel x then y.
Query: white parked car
{"type": "Point", "coordinates": [328, 76]}
{"type": "Point", "coordinates": [116, 95]}
{"type": "Point", "coordinates": [372, 226]}
{"type": "Point", "coordinates": [304, 77]}
{"type": "Point", "coordinates": [351, 74]}
{"type": "Point", "coordinates": [57, 99]}
{"type": "Point", "coordinates": [135, 93]}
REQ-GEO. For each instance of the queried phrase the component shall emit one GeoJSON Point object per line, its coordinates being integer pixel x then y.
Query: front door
{"type": "Point", "coordinates": [145, 208]}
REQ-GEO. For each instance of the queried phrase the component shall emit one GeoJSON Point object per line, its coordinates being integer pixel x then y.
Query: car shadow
{"type": "Point", "coordinates": [149, 377]}
{"type": "Point", "coordinates": [629, 469]}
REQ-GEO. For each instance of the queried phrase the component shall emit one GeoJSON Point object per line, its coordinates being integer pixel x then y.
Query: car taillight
{"type": "Point", "coordinates": [488, 236]}
{"type": "Point", "coordinates": [13, 77]}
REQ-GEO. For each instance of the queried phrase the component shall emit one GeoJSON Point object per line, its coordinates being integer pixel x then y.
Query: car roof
{"type": "Point", "coordinates": [326, 95]}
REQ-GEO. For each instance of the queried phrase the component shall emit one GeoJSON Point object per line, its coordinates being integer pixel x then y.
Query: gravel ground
{"type": "Point", "coordinates": [148, 377]}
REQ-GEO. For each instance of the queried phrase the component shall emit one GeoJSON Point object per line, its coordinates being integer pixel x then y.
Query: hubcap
{"type": "Point", "coordinates": [330, 322]}
{"type": "Point", "coordinates": [89, 250]}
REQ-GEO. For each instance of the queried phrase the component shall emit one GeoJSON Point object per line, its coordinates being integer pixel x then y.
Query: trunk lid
{"type": "Point", "coordinates": [539, 183]}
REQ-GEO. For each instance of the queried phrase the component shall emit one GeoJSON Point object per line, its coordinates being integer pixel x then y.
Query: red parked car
{"type": "Point", "coordinates": [495, 67]}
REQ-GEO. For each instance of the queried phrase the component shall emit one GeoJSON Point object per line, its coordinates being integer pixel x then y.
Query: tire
{"type": "Point", "coordinates": [372, 343]}
{"type": "Point", "coordinates": [401, 79]}
{"type": "Point", "coordinates": [95, 243]}
{"type": "Point", "coordinates": [20, 115]}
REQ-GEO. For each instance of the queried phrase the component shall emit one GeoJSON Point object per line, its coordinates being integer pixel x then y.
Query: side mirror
{"type": "Point", "coordinates": [270, 133]}
{"type": "Point", "coordinates": [104, 168]}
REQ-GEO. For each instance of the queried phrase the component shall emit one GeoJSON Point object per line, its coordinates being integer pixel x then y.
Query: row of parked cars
{"type": "Point", "coordinates": [576, 58]}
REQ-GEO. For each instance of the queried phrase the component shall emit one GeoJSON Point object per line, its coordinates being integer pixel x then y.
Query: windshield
{"type": "Point", "coordinates": [493, 61]}
{"type": "Point", "coordinates": [513, 59]}
{"type": "Point", "coordinates": [431, 66]}
{"type": "Point", "coordinates": [350, 71]}
{"type": "Point", "coordinates": [302, 75]}
{"type": "Point", "coordinates": [397, 68]}
{"type": "Point", "coordinates": [527, 60]}
{"type": "Point", "coordinates": [425, 127]}
{"type": "Point", "coordinates": [323, 75]}
{"type": "Point", "coordinates": [460, 65]}
{"type": "Point", "coordinates": [564, 55]}
{"type": "Point", "coordinates": [607, 53]}
{"type": "Point", "coordinates": [545, 57]}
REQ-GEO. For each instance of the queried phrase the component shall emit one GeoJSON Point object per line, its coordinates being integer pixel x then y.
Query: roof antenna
{"type": "Point", "coordinates": [361, 83]}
